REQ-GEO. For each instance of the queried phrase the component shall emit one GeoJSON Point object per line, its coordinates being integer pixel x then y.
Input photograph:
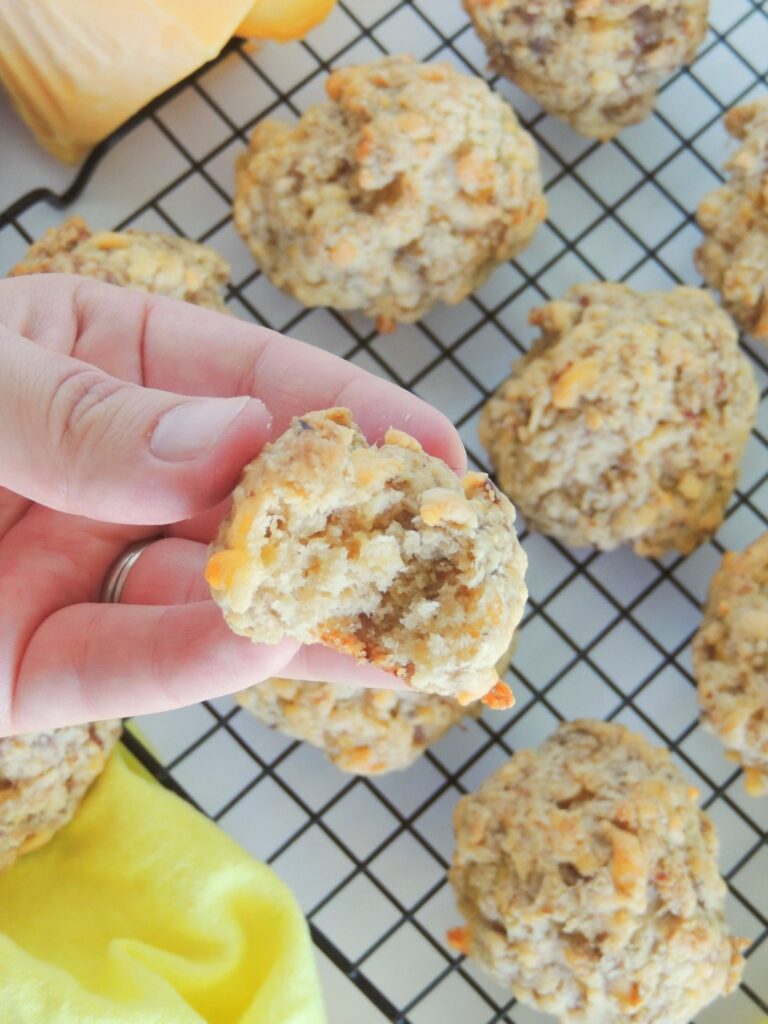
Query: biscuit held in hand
{"type": "Point", "coordinates": [382, 553]}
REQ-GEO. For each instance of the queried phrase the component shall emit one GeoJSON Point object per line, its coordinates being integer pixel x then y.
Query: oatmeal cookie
{"type": "Point", "coordinates": [627, 420]}
{"type": "Point", "coordinates": [43, 778]}
{"type": "Point", "coordinates": [589, 881]}
{"type": "Point", "coordinates": [730, 660]}
{"type": "Point", "coordinates": [142, 260]}
{"type": "Point", "coordinates": [408, 186]}
{"type": "Point", "coordinates": [595, 63]}
{"type": "Point", "coordinates": [363, 731]}
{"type": "Point", "coordinates": [378, 552]}
{"type": "Point", "coordinates": [734, 218]}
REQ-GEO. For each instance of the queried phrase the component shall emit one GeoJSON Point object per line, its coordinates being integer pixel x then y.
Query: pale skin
{"type": "Point", "coordinates": [127, 416]}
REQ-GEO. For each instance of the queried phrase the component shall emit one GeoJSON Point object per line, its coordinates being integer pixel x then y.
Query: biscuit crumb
{"type": "Point", "coordinates": [500, 697]}
{"type": "Point", "coordinates": [458, 939]}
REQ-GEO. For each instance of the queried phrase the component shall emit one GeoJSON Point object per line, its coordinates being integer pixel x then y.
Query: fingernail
{"type": "Point", "coordinates": [191, 430]}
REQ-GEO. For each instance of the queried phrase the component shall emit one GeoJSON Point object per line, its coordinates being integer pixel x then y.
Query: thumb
{"type": "Point", "coordinates": [77, 440]}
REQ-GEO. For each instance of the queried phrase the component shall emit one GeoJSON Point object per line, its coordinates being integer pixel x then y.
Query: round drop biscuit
{"type": "Point", "coordinates": [363, 731]}
{"type": "Point", "coordinates": [43, 778]}
{"type": "Point", "coordinates": [730, 660]}
{"type": "Point", "coordinates": [734, 218]}
{"type": "Point", "coordinates": [627, 420]}
{"type": "Point", "coordinates": [378, 552]}
{"type": "Point", "coordinates": [407, 187]}
{"type": "Point", "coordinates": [143, 260]}
{"type": "Point", "coordinates": [588, 879]}
{"type": "Point", "coordinates": [597, 64]}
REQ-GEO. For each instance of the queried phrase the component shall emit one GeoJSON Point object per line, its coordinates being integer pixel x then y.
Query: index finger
{"type": "Point", "coordinates": [173, 346]}
{"type": "Point", "coordinates": [289, 376]}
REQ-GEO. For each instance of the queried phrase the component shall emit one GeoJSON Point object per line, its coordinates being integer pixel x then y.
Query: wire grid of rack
{"type": "Point", "coordinates": [604, 635]}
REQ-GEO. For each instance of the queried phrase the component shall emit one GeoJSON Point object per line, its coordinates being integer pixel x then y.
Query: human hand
{"type": "Point", "coordinates": [119, 424]}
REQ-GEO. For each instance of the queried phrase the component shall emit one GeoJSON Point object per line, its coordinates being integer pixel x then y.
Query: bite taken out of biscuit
{"type": "Point", "coordinates": [382, 553]}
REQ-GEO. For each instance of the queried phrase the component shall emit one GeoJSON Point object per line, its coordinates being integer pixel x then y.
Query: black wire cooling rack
{"type": "Point", "coordinates": [604, 635]}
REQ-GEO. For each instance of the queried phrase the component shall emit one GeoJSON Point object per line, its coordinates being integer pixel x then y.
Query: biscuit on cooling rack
{"type": "Point", "coordinates": [363, 731]}
{"type": "Point", "coordinates": [588, 878]}
{"type": "Point", "coordinates": [595, 63]}
{"type": "Point", "coordinates": [734, 256]}
{"type": "Point", "coordinates": [730, 660]}
{"type": "Point", "coordinates": [407, 187]}
{"type": "Point", "coordinates": [143, 260]}
{"type": "Point", "coordinates": [627, 421]}
{"type": "Point", "coordinates": [43, 778]}
{"type": "Point", "coordinates": [378, 552]}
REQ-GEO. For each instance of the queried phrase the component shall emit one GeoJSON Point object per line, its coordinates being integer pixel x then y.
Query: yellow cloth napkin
{"type": "Point", "coordinates": [141, 911]}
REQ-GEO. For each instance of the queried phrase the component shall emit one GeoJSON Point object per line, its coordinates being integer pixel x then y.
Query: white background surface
{"type": "Point", "coordinates": [605, 635]}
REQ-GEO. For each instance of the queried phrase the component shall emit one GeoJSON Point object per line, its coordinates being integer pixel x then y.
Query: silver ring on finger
{"type": "Point", "coordinates": [115, 580]}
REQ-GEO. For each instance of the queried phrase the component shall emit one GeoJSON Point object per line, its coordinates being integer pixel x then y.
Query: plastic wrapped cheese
{"type": "Point", "coordinates": [76, 69]}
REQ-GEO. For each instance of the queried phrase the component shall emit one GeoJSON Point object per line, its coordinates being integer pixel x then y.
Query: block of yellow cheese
{"type": "Point", "coordinates": [283, 20]}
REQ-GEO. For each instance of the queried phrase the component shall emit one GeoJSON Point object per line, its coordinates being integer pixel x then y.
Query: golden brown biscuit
{"type": "Point", "coordinates": [589, 881]}
{"type": "Point", "coordinates": [407, 187]}
{"type": "Point", "coordinates": [379, 552]}
{"type": "Point", "coordinates": [734, 256]}
{"type": "Point", "coordinates": [363, 731]}
{"type": "Point", "coordinates": [142, 260]}
{"type": "Point", "coordinates": [627, 421]}
{"type": "Point", "coordinates": [595, 63]}
{"type": "Point", "coordinates": [730, 659]}
{"type": "Point", "coordinates": [43, 778]}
